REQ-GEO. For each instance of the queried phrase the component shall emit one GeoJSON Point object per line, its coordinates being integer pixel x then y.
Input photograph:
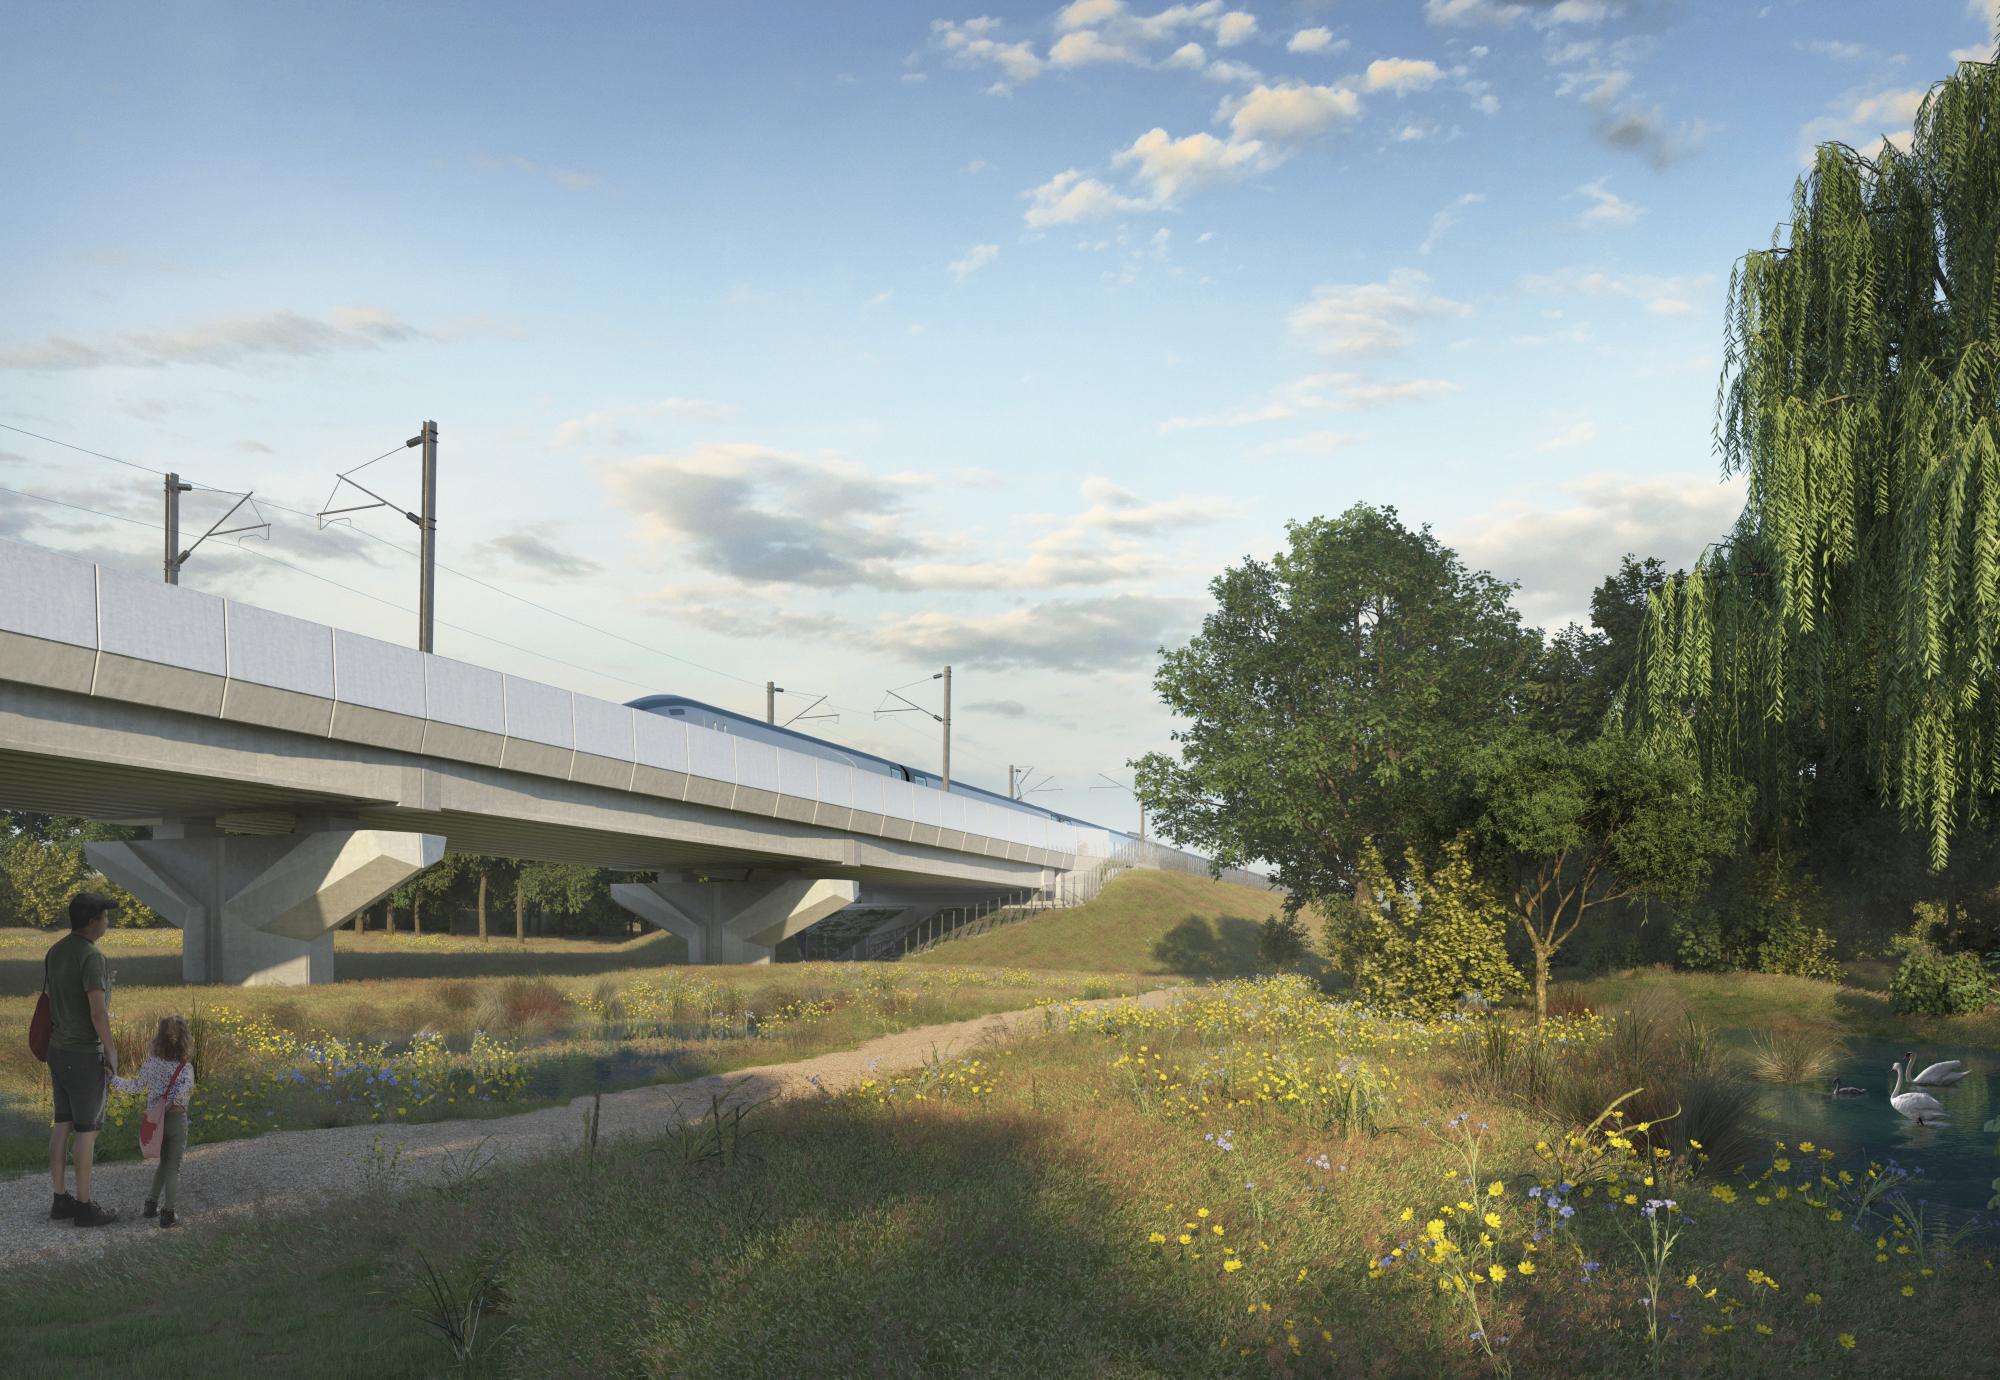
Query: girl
{"type": "Point", "coordinates": [167, 1079]}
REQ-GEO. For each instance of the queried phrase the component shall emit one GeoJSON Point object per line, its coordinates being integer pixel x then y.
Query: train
{"type": "Point", "coordinates": [743, 726]}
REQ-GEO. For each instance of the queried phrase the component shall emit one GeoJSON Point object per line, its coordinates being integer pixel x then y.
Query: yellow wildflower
{"type": "Point", "coordinates": [1497, 1273]}
{"type": "Point", "coordinates": [1847, 1341]}
{"type": "Point", "coordinates": [1232, 1266]}
{"type": "Point", "coordinates": [1526, 1267]}
{"type": "Point", "coordinates": [1495, 1189]}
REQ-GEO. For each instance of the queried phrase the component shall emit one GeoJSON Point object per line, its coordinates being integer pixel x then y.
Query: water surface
{"type": "Point", "coordinates": [1955, 1156]}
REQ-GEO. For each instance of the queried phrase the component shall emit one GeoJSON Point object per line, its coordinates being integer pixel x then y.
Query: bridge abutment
{"type": "Point", "coordinates": [261, 910]}
{"type": "Point", "coordinates": [734, 921]}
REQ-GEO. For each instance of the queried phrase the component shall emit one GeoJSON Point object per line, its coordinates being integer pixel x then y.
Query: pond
{"type": "Point", "coordinates": [1953, 1160]}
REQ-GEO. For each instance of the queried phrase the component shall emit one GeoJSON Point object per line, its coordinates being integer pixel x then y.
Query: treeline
{"type": "Point", "coordinates": [1464, 798]}
{"type": "Point", "coordinates": [42, 864]}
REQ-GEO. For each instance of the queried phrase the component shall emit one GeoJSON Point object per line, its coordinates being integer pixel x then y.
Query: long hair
{"type": "Point", "coordinates": [172, 1039]}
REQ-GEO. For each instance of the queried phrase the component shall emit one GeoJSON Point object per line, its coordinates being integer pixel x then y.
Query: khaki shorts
{"type": "Point", "coordinates": [80, 1084]}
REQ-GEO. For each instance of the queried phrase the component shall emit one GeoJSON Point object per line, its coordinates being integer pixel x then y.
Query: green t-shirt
{"type": "Point", "coordinates": [75, 969]}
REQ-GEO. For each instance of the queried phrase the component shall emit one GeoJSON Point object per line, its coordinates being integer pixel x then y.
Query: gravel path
{"type": "Point", "coordinates": [297, 1170]}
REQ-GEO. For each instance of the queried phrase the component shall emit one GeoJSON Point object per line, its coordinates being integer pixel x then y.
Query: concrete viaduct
{"type": "Point", "coordinates": [293, 773]}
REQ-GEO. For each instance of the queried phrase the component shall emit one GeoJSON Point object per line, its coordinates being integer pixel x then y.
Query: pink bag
{"type": "Point", "coordinates": [153, 1126]}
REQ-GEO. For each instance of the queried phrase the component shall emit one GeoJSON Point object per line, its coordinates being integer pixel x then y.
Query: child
{"type": "Point", "coordinates": [158, 1080]}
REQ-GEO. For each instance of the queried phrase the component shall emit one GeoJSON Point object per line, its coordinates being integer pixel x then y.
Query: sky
{"type": "Point", "coordinates": [832, 344]}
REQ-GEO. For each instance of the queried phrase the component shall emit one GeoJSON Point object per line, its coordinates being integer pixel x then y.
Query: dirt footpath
{"type": "Point", "coordinates": [289, 1171]}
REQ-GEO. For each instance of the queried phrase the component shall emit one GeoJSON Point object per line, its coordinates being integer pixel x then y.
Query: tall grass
{"type": "Point", "coordinates": [1793, 1055]}
{"type": "Point", "coordinates": [1689, 1089]}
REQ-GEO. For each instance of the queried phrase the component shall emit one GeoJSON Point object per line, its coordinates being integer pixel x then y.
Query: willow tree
{"type": "Point", "coordinates": [1847, 627]}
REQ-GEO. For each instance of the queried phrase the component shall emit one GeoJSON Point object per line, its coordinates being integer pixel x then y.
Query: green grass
{"type": "Point", "coordinates": [1759, 1001]}
{"type": "Point", "coordinates": [565, 1049]}
{"type": "Point", "coordinates": [1142, 922]}
{"type": "Point", "coordinates": [152, 957]}
{"type": "Point", "coordinates": [1002, 1235]}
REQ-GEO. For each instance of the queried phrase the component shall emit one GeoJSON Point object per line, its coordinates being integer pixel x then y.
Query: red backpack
{"type": "Point", "coordinates": [43, 1023]}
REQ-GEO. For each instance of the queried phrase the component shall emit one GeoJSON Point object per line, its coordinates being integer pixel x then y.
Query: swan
{"type": "Point", "coordinates": [1911, 1104]}
{"type": "Point", "coordinates": [1940, 1075]}
{"type": "Point", "coordinates": [1841, 1089]}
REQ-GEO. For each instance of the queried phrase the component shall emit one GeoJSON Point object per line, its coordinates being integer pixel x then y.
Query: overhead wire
{"type": "Point", "coordinates": [264, 502]}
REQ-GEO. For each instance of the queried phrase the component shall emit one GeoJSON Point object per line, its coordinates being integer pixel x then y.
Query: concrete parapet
{"type": "Point", "coordinates": [258, 911]}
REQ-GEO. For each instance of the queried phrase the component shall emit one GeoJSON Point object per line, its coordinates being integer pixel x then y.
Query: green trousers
{"type": "Point", "coordinates": [173, 1144]}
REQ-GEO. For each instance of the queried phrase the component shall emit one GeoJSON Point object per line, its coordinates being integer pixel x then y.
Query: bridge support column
{"type": "Point", "coordinates": [734, 922]}
{"type": "Point", "coordinates": [258, 911]}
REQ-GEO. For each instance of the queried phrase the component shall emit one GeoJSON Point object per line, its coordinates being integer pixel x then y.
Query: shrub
{"type": "Point", "coordinates": [1767, 918]}
{"type": "Point", "coordinates": [1930, 983]}
{"type": "Point", "coordinates": [1790, 1055]}
{"type": "Point", "coordinates": [1097, 989]}
{"type": "Point", "coordinates": [457, 996]}
{"type": "Point", "coordinates": [1422, 946]}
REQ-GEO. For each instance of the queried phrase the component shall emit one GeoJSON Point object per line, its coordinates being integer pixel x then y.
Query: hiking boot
{"type": "Point", "coordinates": [94, 1215]}
{"type": "Point", "coordinates": [63, 1209]}
{"type": "Point", "coordinates": [152, 1209]}
{"type": "Point", "coordinates": [167, 1218]}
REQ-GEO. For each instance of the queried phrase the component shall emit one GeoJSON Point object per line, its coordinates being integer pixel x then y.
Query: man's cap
{"type": "Point", "coordinates": [86, 906]}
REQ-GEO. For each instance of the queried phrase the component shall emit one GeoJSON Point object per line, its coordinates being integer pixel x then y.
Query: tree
{"type": "Point", "coordinates": [1583, 670]}
{"type": "Point", "coordinates": [1330, 699]}
{"type": "Point", "coordinates": [1842, 640]}
{"type": "Point", "coordinates": [1422, 944]}
{"type": "Point", "coordinates": [1573, 828]}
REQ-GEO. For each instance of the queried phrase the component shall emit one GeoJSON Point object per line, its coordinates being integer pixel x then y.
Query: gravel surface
{"type": "Point", "coordinates": [289, 1171]}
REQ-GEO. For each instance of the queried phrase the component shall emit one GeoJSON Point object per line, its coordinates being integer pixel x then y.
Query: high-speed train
{"type": "Point", "coordinates": [743, 726]}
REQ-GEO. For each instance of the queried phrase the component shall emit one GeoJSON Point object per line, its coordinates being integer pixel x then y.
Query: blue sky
{"type": "Point", "coordinates": [831, 343]}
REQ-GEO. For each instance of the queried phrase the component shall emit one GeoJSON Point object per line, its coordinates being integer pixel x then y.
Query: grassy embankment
{"type": "Point", "coordinates": [1261, 1209]}
{"type": "Point", "coordinates": [274, 1058]}
{"type": "Point", "coordinates": [1143, 922]}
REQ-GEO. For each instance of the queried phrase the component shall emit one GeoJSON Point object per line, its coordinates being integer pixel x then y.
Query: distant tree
{"type": "Point", "coordinates": [1583, 670]}
{"type": "Point", "coordinates": [1571, 828]}
{"type": "Point", "coordinates": [1330, 700]}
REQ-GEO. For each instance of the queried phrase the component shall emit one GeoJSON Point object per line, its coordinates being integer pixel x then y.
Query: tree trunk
{"type": "Point", "coordinates": [1541, 984]}
{"type": "Point", "coordinates": [520, 918]}
{"type": "Point", "coordinates": [417, 914]}
{"type": "Point", "coordinates": [482, 907]}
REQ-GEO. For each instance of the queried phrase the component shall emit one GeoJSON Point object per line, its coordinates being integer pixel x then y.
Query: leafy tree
{"type": "Point", "coordinates": [1583, 670]}
{"type": "Point", "coordinates": [1846, 631]}
{"type": "Point", "coordinates": [1575, 827]}
{"type": "Point", "coordinates": [41, 878]}
{"type": "Point", "coordinates": [1330, 699]}
{"type": "Point", "coordinates": [1422, 944]}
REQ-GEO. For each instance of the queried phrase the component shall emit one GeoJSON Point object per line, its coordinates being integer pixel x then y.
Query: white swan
{"type": "Point", "coordinates": [1939, 1075]}
{"type": "Point", "coordinates": [1917, 1105]}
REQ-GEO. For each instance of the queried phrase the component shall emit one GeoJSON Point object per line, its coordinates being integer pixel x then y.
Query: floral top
{"type": "Point", "coordinates": [153, 1077]}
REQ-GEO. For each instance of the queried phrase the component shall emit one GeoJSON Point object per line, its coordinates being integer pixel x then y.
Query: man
{"type": "Point", "coordinates": [82, 1054]}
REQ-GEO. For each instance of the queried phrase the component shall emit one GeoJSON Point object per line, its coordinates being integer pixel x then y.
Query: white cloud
{"type": "Point", "coordinates": [1238, 26]}
{"type": "Point", "coordinates": [971, 43]}
{"type": "Point", "coordinates": [1288, 113]}
{"type": "Point", "coordinates": [975, 259]}
{"type": "Point", "coordinates": [1832, 48]}
{"type": "Point", "coordinates": [1231, 72]}
{"type": "Point", "coordinates": [1570, 435]}
{"type": "Point", "coordinates": [1401, 75]}
{"type": "Point", "coordinates": [1318, 40]}
{"type": "Point", "coordinates": [1188, 55]}
{"type": "Point", "coordinates": [1607, 208]}
{"type": "Point", "coordinates": [1358, 318]}
{"type": "Point", "coordinates": [1069, 197]}
{"type": "Point", "coordinates": [1865, 121]}
{"type": "Point", "coordinates": [224, 341]}
{"type": "Point", "coordinates": [612, 427]}
{"type": "Point", "coordinates": [1316, 393]}
{"type": "Point", "coordinates": [1469, 13]}
{"type": "Point", "coordinates": [569, 179]}
{"type": "Point", "coordinates": [1114, 632]}
{"type": "Point", "coordinates": [1664, 296]}
{"type": "Point", "coordinates": [1085, 14]}
{"type": "Point", "coordinates": [1561, 550]}
{"type": "Point", "coordinates": [1170, 167]}
{"type": "Point", "coordinates": [1087, 46]}
{"type": "Point", "coordinates": [1445, 219]}
{"type": "Point", "coordinates": [1310, 443]}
